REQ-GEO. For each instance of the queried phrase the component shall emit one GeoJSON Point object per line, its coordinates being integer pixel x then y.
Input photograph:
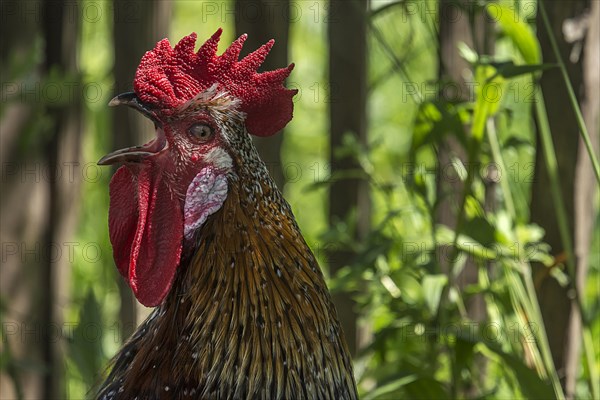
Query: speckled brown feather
{"type": "Point", "coordinates": [249, 315]}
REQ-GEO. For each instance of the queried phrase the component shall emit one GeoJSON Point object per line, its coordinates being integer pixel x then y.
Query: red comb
{"type": "Point", "coordinates": [168, 77]}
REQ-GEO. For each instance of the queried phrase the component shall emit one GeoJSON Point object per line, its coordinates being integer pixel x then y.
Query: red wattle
{"type": "Point", "coordinates": [146, 231]}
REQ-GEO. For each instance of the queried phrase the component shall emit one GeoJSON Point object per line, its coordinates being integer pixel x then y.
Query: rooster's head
{"type": "Point", "coordinates": [203, 106]}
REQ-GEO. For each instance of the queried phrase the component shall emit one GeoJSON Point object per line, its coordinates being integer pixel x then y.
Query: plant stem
{"type": "Point", "coordinates": [526, 295]}
{"type": "Point", "coordinates": [497, 154]}
{"type": "Point", "coordinates": [534, 309]}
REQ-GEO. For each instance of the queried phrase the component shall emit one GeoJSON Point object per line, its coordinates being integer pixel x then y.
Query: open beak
{"type": "Point", "coordinates": [136, 153]}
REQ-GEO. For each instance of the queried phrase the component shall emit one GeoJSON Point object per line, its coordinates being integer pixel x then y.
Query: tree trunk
{"type": "Point", "coordinates": [40, 209]}
{"type": "Point", "coordinates": [577, 183]}
{"type": "Point", "coordinates": [132, 38]}
{"type": "Point", "coordinates": [586, 186]}
{"type": "Point", "coordinates": [262, 21]}
{"type": "Point", "coordinates": [450, 188]}
{"type": "Point", "coordinates": [452, 68]}
{"type": "Point", "coordinates": [62, 39]}
{"type": "Point", "coordinates": [347, 78]}
{"type": "Point", "coordinates": [23, 213]}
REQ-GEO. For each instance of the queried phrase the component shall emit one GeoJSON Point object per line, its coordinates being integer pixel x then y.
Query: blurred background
{"type": "Point", "coordinates": [440, 164]}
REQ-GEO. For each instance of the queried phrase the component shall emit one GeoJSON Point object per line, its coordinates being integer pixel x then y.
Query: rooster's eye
{"type": "Point", "coordinates": [202, 132]}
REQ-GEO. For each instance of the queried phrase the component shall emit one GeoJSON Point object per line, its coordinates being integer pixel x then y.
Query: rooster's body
{"type": "Point", "coordinates": [244, 312]}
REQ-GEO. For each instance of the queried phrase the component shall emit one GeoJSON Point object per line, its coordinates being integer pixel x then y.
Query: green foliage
{"type": "Point", "coordinates": [85, 345]}
{"type": "Point", "coordinates": [425, 344]}
{"type": "Point", "coordinates": [517, 30]}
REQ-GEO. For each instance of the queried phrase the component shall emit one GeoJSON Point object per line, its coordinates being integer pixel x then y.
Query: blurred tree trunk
{"type": "Point", "coordinates": [23, 211]}
{"type": "Point", "coordinates": [62, 33]}
{"type": "Point", "coordinates": [347, 112]}
{"type": "Point", "coordinates": [453, 68]}
{"type": "Point", "coordinates": [138, 25]}
{"type": "Point", "coordinates": [41, 181]}
{"type": "Point", "coordinates": [586, 186]}
{"type": "Point", "coordinates": [570, 21]}
{"type": "Point", "coordinates": [264, 20]}
{"type": "Point", "coordinates": [472, 28]}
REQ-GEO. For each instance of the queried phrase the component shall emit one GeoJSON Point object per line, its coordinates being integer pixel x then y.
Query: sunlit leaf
{"type": "Point", "coordinates": [433, 285]}
{"type": "Point", "coordinates": [517, 30]}
{"type": "Point", "coordinates": [436, 120]}
{"type": "Point", "coordinates": [410, 289]}
{"type": "Point", "coordinates": [467, 52]}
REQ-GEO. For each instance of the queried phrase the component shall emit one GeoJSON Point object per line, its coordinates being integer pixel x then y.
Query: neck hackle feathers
{"type": "Point", "coordinates": [168, 77]}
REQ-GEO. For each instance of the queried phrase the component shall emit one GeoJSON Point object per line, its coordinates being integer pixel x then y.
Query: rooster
{"type": "Point", "coordinates": [200, 231]}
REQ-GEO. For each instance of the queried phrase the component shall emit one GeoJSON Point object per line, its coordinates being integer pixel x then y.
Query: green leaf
{"type": "Point", "coordinates": [85, 346]}
{"type": "Point", "coordinates": [488, 97]}
{"type": "Point", "coordinates": [433, 285]}
{"type": "Point", "coordinates": [481, 230]}
{"type": "Point", "coordinates": [510, 70]}
{"type": "Point", "coordinates": [390, 390]}
{"type": "Point", "coordinates": [445, 236]}
{"type": "Point", "coordinates": [467, 53]}
{"type": "Point", "coordinates": [464, 353]}
{"type": "Point", "coordinates": [516, 142]}
{"type": "Point", "coordinates": [517, 30]}
{"type": "Point", "coordinates": [410, 289]}
{"type": "Point", "coordinates": [427, 388]}
{"type": "Point", "coordinates": [531, 233]}
{"type": "Point", "coordinates": [434, 121]}
{"type": "Point", "coordinates": [386, 7]}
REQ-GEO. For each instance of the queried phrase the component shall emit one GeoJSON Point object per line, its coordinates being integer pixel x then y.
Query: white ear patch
{"type": "Point", "coordinates": [205, 195]}
{"type": "Point", "coordinates": [219, 158]}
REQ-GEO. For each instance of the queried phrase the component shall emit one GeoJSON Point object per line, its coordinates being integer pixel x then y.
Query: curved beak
{"type": "Point", "coordinates": [136, 153]}
{"type": "Point", "coordinates": [130, 99]}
